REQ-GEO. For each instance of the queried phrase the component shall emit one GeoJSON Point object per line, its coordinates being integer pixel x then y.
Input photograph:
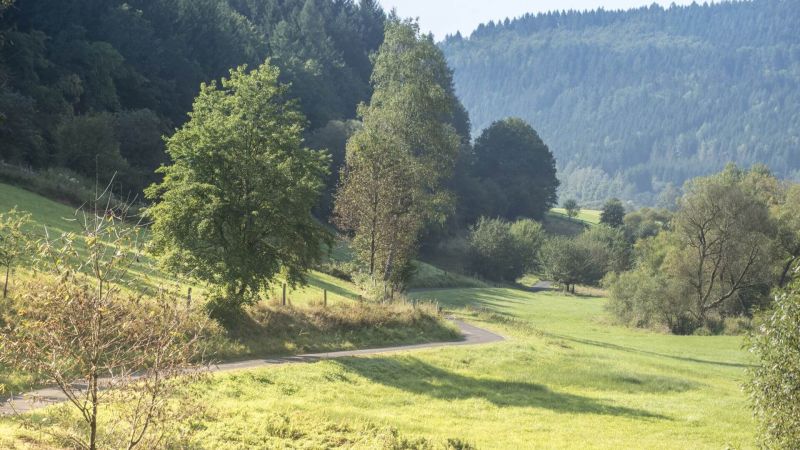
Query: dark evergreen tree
{"type": "Point", "coordinates": [613, 213]}
{"type": "Point", "coordinates": [517, 171]}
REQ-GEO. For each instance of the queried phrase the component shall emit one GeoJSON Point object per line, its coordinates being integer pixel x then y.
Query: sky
{"type": "Point", "coordinates": [443, 17]}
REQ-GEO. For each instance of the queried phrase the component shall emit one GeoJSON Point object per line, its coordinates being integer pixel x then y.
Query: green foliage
{"type": "Point", "coordinates": [586, 258]}
{"type": "Point", "coordinates": [493, 251]}
{"type": "Point", "coordinates": [610, 251]}
{"type": "Point", "coordinates": [774, 384]}
{"type": "Point", "coordinates": [645, 297]}
{"type": "Point", "coordinates": [646, 222]}
{"type": "Point", "coordinates": [234, 208]}
{"type": "Point", "coordinates": [571, 207]}
{"type": "Point", "coordinates": [717, 259]}
{"type": "Point", "coordinates": [396, 163]}
{"type": "Point", "coordinates": [88, 146]}
{"type": "Point", "coordinates": [674, 113]}
{"type": "Point", "coordinates": [502, 251]}
{"type": "Point", "coordinates": [332, 138]}
{"type": "Point", "coordinates": [529, 236]}
{"type": "Point", "coordinates": [787, 217]}
{"type": "Point", "coordinates": [517, 171]}
{"type": "Point", "coordinates": [613, 213]}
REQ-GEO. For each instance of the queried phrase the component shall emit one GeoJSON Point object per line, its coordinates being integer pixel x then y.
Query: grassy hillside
{"type": "Point", "coordinates": [303, 325]}
{"type": "Point", "coordinates": [591, 216]}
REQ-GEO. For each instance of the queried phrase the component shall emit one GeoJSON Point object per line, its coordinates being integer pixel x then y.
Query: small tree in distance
{"type": "Point", "coordinates": [13, 242]}
{"type": "Point", "coordinates": [613, 213]}
{"type": "Point", "coordinates": [234, 209]}
{"type": "Point", "coordinates": [572, 208]}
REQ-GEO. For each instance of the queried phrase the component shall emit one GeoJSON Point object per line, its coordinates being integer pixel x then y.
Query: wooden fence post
{"type": "Point", "coordinates": [325, 298]}
{"type": "Point", "coordinates": [283, 298]}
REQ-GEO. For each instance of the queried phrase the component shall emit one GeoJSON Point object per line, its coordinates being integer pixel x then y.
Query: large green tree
{"type": "Point", "coordinates": [234, 208]}
{"type": "Point", "coordinates": [396, 163]}
{"type": "Point", "coordinates": [717, 259]}
{"type": "Point", "coordinates": [613, 213]}
{"type": "Point", "coordinates": [511, 156]}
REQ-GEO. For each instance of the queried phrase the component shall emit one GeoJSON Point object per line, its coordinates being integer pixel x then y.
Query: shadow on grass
{"type": "Point", "coordinates": [330, 287]}
{"type": "Point", "coordinates": [647, 352]}
{"type": "Point", "coordinates": [418, 377]}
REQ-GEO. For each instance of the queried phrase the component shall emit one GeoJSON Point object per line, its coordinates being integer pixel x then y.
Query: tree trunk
{"type": "Point", "coordinates": [784, 274]}
{"type": "Point", "coordinates": [5, 285]}
{"type": "Point", "coordinates": [93, 417]}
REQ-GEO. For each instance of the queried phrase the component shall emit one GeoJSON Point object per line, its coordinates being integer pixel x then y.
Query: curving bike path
{"type": "Point", "coordinates": [472, 335]}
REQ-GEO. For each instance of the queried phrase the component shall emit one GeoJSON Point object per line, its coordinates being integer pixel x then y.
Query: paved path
{"type": "Point", "coordinates": [472, 336]}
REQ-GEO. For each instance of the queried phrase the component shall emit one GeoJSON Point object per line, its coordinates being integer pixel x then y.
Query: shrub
{"type": "Point", "coordinates": [503, 251]}
{"type": "Point", "coordinates": [529, 237]}
{"type": "Point", "coordinates": [572, 208]}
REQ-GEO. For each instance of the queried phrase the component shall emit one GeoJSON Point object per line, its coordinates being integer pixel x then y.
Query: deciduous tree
{"type": "Point", "coordinates": [234, 208]}
{"type": "Point", "coordinates": [613, 213]}
{"type": "Point", "coordinates": [774, 384]}
{"type": "Point", "coordinates": [511, 154]}
{"type": "Point", "coordinates": [392, 182]}
{"type": "Point", "coordinates": [572, 208]}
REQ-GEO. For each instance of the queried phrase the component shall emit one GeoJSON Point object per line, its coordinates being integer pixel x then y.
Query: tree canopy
{"type": "Point", "coordinates": [516, 169]}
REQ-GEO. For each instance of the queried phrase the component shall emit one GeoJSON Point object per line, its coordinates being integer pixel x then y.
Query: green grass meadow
{"type": "Point", "coordinates": [586, 215]}
{"type": "Point", "coordinates": [565, 377]}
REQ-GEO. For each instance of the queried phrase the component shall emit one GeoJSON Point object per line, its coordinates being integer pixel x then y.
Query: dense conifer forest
{"type": "Point", "coordinates": [634, 103]}
{"type": "Point", "coordinates": [80, 78]}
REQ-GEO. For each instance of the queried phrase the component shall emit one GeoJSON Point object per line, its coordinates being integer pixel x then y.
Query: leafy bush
{"type": "Point", "coordinates": [587, 258]}
{"type": "Point", "coordinates": [529, 237]}
{"type": "Point", "coordinates": [502, 251]}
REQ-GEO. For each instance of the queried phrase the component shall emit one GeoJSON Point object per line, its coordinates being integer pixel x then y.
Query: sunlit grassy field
{"type": "Point", "coordinates": [586, 215]}
{"type": "Point", "coordinates": [564, 379]}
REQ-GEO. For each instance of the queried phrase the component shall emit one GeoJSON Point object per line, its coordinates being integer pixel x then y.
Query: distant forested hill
{"type": "Point", "coordinates": [633, 103]}
{"type": "Point", "coordinates": [107, 78]}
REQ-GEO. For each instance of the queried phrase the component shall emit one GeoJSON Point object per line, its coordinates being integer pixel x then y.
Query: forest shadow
{"type": "Point", "coordinates": [418, 377]}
